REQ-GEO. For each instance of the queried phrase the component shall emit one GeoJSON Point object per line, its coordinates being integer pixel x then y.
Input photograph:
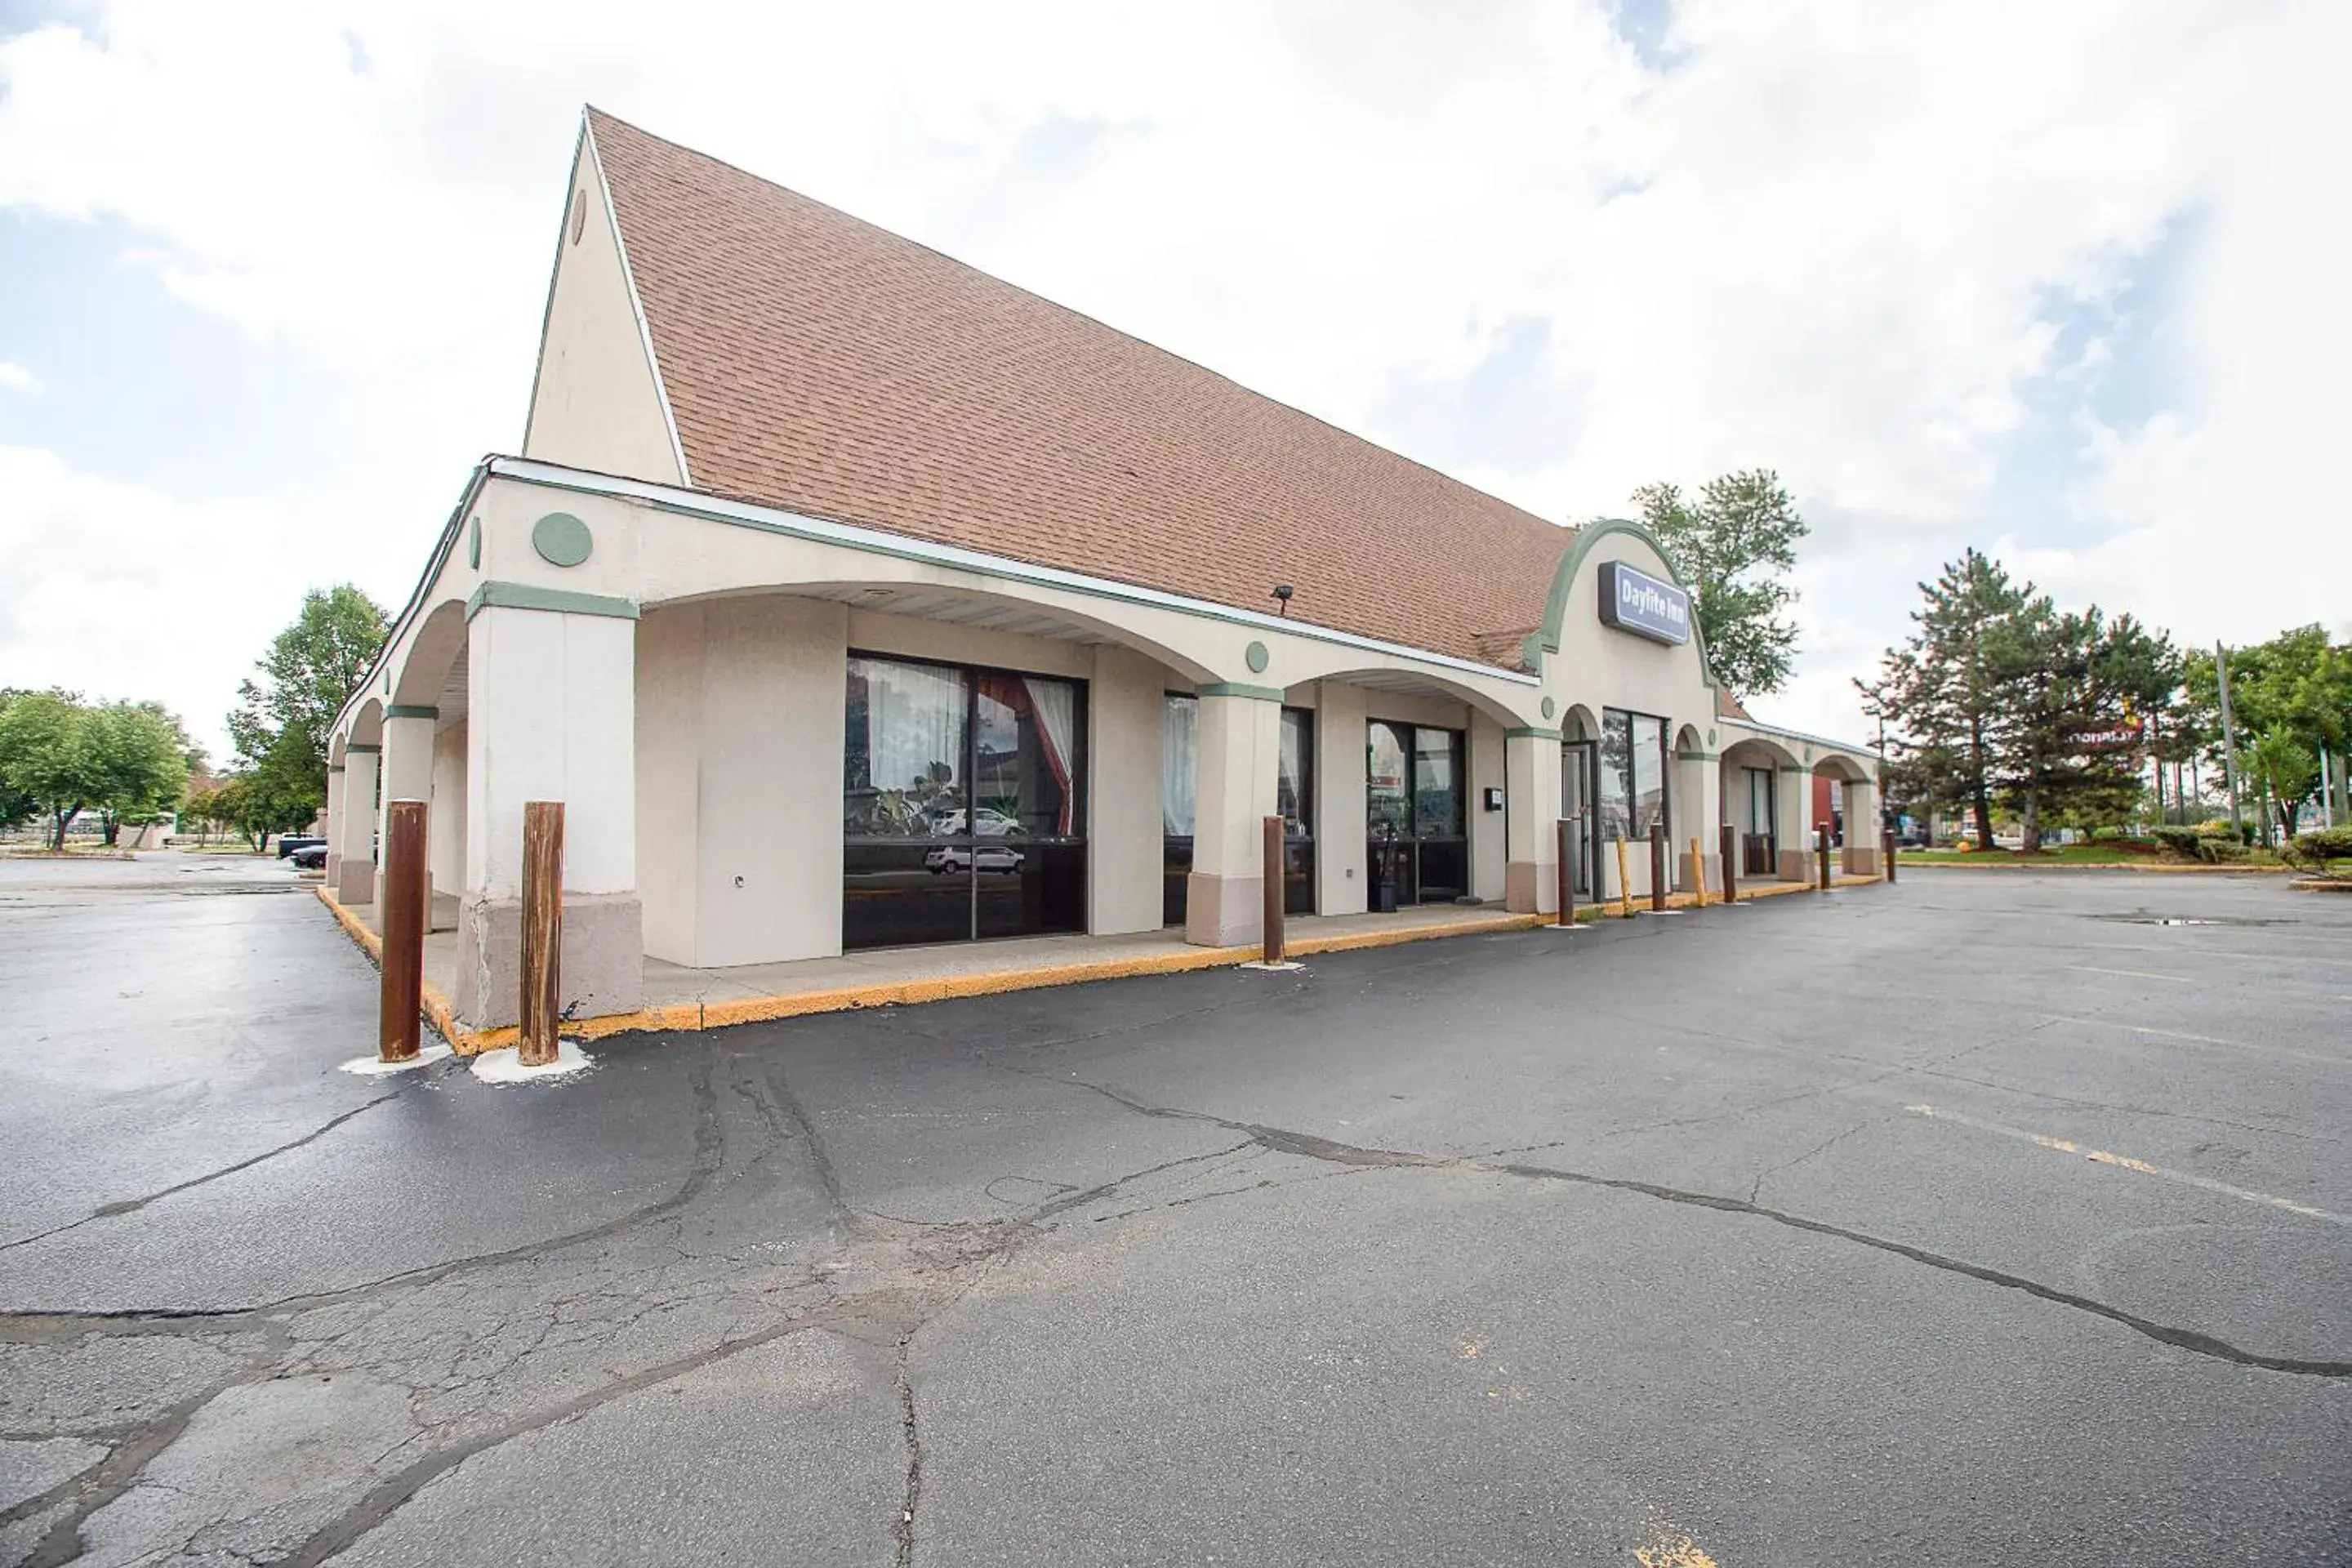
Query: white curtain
{"type": "Point", "coordinates": [913, 722]}
{"type": "Point", "coordinates": [1178, 716]}
{"type": "Point", "coordinates": [1054, 704]}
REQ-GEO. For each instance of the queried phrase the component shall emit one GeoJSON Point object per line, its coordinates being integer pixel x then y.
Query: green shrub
{"type": "Point", "coordinates": [2320, 846]}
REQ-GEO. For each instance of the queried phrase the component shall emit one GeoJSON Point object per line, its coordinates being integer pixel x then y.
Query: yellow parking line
{"type": "Point", "coordinates": [2127, 1162]}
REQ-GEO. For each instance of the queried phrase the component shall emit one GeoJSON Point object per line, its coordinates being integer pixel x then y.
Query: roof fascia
{"type": "Point", "coordinates": [1546, 639]}
{"type": "Point", "coordinates": [636, 305]}
{"type": "Point", "coordinates": [1778, 733]}
{"type": "Point", "coordinates": [546, 312]}
{"type": "Point", "coordinates": [773, 520]}
{"type": "Point", "coordinates": [407, 616]}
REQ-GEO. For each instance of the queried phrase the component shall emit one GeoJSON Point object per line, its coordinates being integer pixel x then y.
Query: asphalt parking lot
{"type": "Point", "coordinates": [1987, 1218]}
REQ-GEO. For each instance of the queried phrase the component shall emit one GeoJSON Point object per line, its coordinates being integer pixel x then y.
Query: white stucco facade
{"type": "Point", "coordinates": [681, 690]}
{"type": "Point", "coordinates": [680, 671]}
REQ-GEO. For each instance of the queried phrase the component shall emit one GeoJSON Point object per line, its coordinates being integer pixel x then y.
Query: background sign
{"type": "Point", "coordinates": [1638, 603]}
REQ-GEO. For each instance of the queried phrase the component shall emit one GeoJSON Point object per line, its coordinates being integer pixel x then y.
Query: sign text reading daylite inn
{"type": "Point", "coordinates": [1636, 602]}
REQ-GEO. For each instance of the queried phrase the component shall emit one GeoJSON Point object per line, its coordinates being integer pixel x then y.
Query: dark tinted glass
{"type": "Point", "coordinates": [1387, 758]}
{"type": "Point", "coordinates": [1437, 783]}
{"type": "Point", "coordinates": [893, 894]}
{"type": "Point", "coordinates": [1445, 870]}
{"type": "Point", "coordinates": [1031, 886]}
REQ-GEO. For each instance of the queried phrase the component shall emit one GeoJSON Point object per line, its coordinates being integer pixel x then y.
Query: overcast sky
{"type": "Point", "coordinates": [2060, 279]}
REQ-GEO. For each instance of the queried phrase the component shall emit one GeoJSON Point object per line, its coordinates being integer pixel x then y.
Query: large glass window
{"type": "Point", "coordinates": [963, 806]}
{"type": "Point", "coordinates": [1632, 773]}
{"type": "Point", "coordinates": [1179, 717]}
{"type": "Point", "coordinates": [1295, 799]}
{"type": "Point", "coordinates": [1413, 800]}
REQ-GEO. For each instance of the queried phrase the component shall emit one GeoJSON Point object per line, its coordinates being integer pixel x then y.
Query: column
{"type": "Point", "coordinates": [1237, 752]}
{"type": "Point", "coordinates": [334, 822]}
{"type": "Point", "coordinates": [445, 827]}
{"type": "Point", "coordinates": [1490, 845]}
{"type": "Point", "coordinates": [1339, 799]}
{"type": "Point", "coordinates": [1699, 813]}
{"type": "Point", "coordinates": [552, 715]}
{"type": "Point", "coordinates": [354, 881]}
{"type": "Point", "coordinates": [1532, 766]}
{"type": "Point", "coordinates": [1861, 856]}
{"type": "Point", "coordinates": [1792, 823]}
{"type": "Point", "coordinates": [407, 770]}
{"type": "Point", "coordinates": [1125, 843]}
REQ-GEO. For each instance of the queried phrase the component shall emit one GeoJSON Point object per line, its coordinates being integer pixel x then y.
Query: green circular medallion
{"type": "Point", "coordinates": [1256, 658]}
{"type": "Point", "coordinates": [561, 538]}
{"type": "Point", "coordinates": [1550, 708]}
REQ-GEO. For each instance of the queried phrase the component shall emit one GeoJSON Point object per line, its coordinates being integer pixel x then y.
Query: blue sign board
{"type": "Point", "coordinates": [1638, 603]}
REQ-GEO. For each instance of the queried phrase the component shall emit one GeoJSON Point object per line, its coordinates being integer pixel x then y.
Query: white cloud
{"type": "Point", "coordinates": [1832, 239]}
{"type": "Point", "coordinates": [122, 593]}
{"type": "Point", "coordinates": [16, 378]}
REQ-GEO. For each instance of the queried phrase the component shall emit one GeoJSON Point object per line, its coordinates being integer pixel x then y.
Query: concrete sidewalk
{"type": "Point", "coordinates": [679, 999]}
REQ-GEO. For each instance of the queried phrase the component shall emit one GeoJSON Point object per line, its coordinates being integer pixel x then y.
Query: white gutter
{"type": "Point", "coordinates": [1775, 730]}
{"type": "Point", "coordinates": [745, 514]}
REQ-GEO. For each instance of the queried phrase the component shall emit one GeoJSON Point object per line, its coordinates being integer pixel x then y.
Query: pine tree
{"type": "Point", "coordinates": [1942, 693]}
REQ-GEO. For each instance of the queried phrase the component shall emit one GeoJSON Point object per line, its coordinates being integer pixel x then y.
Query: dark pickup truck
{"type": "Point", "coordinates": [293, 841]}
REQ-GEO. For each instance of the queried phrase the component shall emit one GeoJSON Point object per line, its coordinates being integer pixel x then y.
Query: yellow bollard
{"type": "Point", "coordinates": [1624, 885]}
{"type": "Point", "coordinates": [1698, 877]}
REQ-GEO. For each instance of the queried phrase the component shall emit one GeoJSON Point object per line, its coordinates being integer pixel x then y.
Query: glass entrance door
{"type": "Point", "coordinates": [1419, 848]}
{"type": "Point", "coordinates": [1758, 848]}
{"type": "Point", "coordinates": [1578, 761]}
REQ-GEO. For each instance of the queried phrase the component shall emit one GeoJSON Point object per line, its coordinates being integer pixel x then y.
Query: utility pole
{"type": "Point", "coordinates": [2228, 738]}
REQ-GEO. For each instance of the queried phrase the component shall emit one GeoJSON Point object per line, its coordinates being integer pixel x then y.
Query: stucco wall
{"type": "Point", "coordinates": [594, 404]}
{"type": "Point", "coordinates": [738, 769]}
{"type": "Point", "coordinates": [1340, 887]}
{"type": "Point", "coordinates": [1124, 833]}
{"type": "Point", "coordinates": [668, 769]}
{"type": "Point", "coordinates": [1488, 829]}
{"type": "Point", "coordinates": [446, 828]}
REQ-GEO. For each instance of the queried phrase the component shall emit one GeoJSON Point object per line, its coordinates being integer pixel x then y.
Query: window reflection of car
{"type": "Point", "coordinates": [987, 822]}
{"type": "Point", "coordinates": [959, 857]}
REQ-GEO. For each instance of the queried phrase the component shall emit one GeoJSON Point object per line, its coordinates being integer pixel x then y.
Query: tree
{"type": "Point", "coordinates": [16, 806]}
{"type": "Point", "coordinates": [1942, 693]}
{"type": "Point", "coordinates": [139, 763]}
{"type": "Point", "coordinates": [280, 724]}
{"type": "Point", "coordinates": [2284, 772]}
{"type": "Point", "coordinates": [44, 755]}
{"type": "Point", "coordinates": [2296, 683]}
{"type": "Point", "coordinates": [1734, 546]}
{"type": "Point", "coordinates": [2064, 735]}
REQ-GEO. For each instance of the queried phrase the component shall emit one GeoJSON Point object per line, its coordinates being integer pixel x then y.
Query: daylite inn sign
{"type": "Point", "coordinates": [1636, 602]}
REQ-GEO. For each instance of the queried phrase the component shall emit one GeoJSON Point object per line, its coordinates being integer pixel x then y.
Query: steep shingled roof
{"type": "Point", "coordinates": [820, 364]}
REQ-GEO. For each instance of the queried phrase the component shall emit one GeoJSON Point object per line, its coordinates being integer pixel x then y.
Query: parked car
{"type": "Point", "coordinates": [987, 822]}
{"type": "Point", "coordinates": [311, 856]}
{"type": "Point", "coordinates": [957, 857]}
{"type": "Point", "coordinates": [291, 842]}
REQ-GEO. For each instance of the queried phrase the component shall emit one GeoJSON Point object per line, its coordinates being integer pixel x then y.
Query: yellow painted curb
{"type": "Point", "coordinates": [689, 1017]}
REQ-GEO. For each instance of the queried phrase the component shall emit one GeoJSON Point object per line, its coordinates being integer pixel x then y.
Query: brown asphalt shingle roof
{"type": "Point", "coordinates": [820, 364]}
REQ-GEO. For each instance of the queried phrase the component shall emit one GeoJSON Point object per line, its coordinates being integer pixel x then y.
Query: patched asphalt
{"type": "Point", "coordinates": [1991, 1217]}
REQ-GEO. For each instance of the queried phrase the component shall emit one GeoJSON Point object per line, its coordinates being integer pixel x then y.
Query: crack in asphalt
{"type": "Point", "coordinates": [914, 1442]}
{"type": "Point", "coordinates": [132, 1205]}
{"type": "Point", "coordinates": [1311, 1146]}
{"type": "Point", "coordinates": [49, 1322]}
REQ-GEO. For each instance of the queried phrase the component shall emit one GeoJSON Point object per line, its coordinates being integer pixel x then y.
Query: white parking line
{"type": "Point", "coordinates": [2132, 973]}
{"type": "Point", "coordinates": [2125, 1163]}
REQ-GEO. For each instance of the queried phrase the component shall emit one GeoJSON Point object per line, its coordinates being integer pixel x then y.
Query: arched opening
{"type": "Point", "coordinates": [1846, 798]}
{"type": "Point", "coordinates": [1765, 804]}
